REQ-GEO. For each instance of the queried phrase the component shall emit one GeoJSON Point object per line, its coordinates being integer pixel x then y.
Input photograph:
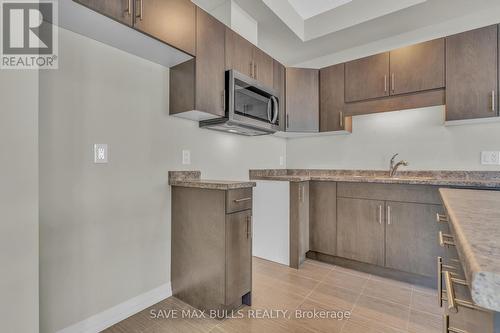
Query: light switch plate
{"type": "Point", "coordinates": [100, 153]}
{"type": "Point", "coordinates": [490, 158]}
{"type": "Point", "coordinates": [186, 157]}
{"type": "Point", "coordinates": [282, 160]}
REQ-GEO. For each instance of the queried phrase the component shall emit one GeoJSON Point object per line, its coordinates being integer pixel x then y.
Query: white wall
{"type": "Point", "coordinates": [418, 135]}
{"type": "Point", "coordinates": [19, 201]}
{"type": "Point", "coordinates": [105, 229]}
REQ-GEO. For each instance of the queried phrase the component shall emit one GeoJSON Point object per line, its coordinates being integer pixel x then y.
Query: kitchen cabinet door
{"type": "Point", "coordinates": [239, 53]}
{"type": "Point", "coordinates": [323, 217]}
{"type": "Point", "coordinates": [367, 78]}
{"type": "Point", "coordinates": [210, 78]}
{"type": "Point", "coordinates": [472, 74]}
{"type": "Point", "coordinates": [418, 67]}
{"type": "Point", "coordinates": [360, 230]}
{"type": "Point", "coordinates": [302, 100]}
{"type": "Point", "coordinates": [171, 21]}
{"type": "Point", "coordinates": [120, 10]}
{"type": "Point", "coordinates": [331, 100]}
{"type": "Point", "coordinates": [412, 237]}
{"type": "Point", "coordinates": [279, 86]}
{"type": "Point", "coordinates": [238, 255]}
{"type": "Point", "coordinates": [263, 67]}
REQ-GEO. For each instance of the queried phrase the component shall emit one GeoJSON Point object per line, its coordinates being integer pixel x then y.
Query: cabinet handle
{"type": "Point", "coordinates": [440, 281]}
{"type": "Point", "coordinates": [251, 69]}
{"type": "Point", "coordinates": [242, 200]}
{"type": "Point", "coordinates": [441, 218]}
{"type": "Point", "coordinates": [255, 70]}
{"type": "Point", "coordinates": [393, 83]}
{"type": "Point", "coordinates": [443, 242]}
{"type": "Point", "coordinates": [380, 214]}
{"type": "Point", "coordinates": [385, 83]}
{"type": "Point", "coordinates": [388, 215]}
{"type": "Point", "coordinates": [141, 6]}
{"type": "Point", "coordinates": [341, 119]}
{"type": "Point", "coordinates": [493, 106]}
{"type": "Point", "coordinates": [287, 121]}
{"type": "Point", "coordinates": [128, 11]}
{"type": "Point", "coordinates": [249, 226]}
{"type": "Point", "coordinates": [223, 100]}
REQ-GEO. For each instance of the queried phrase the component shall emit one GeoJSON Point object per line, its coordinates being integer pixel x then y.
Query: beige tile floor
{"type": "Point", "coordinates": [376, 305]}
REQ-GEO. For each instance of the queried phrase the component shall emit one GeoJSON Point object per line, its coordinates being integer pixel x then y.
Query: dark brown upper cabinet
{"type": "Point", "coordinates": [239, 53]}
{"type": "Point", "coordinates": [418, 67]}
{"type": "Point", "coordinates": [302, 100]}
{"type": "Point", "coordinates": [119, 10]}
{"type": "Point", "coordinates": [367, 78]}
{"type": "Point", "coordinates": [171, 21]}
{"type": "Point", "coordinates": [472, 74]}
{"type": "Point", "coordinates": [199, 83]}
{"type": "Point", "coordinates": [246, 58]}
{"type": "Point", "coordinates": [279, 86]}
{"type": "Point", "coordinates": [263, 64]}
{"type": "Point", "coordinates": [331, 96]}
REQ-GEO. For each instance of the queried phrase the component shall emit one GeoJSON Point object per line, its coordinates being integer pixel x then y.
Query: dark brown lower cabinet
{"type": "Point", "coordinates": [211, 247]}
{"type": "Point", "coordinates": [411, 237]}
{"type": "Point", "coordinates": [120, 10]}
{"type": "Point", "coordinates": [323, 217]}
{"type": "Point", "coordinates": [238, 255]}
{"type": "Point", "coordinates": [360, 230]}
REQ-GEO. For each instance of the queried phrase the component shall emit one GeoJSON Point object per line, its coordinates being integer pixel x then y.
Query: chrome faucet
{"type": "Point", "coordinates": [395, 166]}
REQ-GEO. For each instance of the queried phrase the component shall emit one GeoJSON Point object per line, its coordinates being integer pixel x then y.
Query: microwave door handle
{"type": "Point", "coordinates": [276, 109]}
{"type": "Point", "coordinates": [269, 109]}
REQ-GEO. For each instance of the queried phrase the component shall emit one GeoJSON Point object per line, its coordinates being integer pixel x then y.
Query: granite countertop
{"type": "Point", "coordinates": [486, 179]}
{"type": "Point", "coordinates": [475, 223]}
{"type": "Point", "coordinates": [193, 179]}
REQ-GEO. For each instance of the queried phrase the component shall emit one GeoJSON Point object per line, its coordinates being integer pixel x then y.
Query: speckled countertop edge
{"type": "Point", "coordinates": [480, 179]}
{"type": "Point", "coordinates": [482, 270]}
{"type": "Point", "coordinates": [193, 179]}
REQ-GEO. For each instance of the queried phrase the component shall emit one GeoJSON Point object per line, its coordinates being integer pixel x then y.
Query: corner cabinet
{"type": "Point", "coordinates": [331, 95]}
{"type": "Point", "coordinates": [212, 247]}
{"type": "Point", "coordinates": [198, 84]}
{"type": "Point", "coordinates": [302, 100]}
{"type": "Point", "coordinates": [472, 74]}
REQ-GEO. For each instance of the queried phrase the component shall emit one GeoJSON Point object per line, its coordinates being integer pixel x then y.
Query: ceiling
{"type": "Point", "coordinates": [307, 9]}
{"type": "Point", "coordinates": [318, 33]}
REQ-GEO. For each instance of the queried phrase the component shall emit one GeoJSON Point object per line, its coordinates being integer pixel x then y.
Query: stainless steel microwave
{"type": "Point", "coordinates": [251, 108]}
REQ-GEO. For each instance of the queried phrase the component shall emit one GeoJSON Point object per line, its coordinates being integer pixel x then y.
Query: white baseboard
{"type": "Point", "coordinates": [114, 315]}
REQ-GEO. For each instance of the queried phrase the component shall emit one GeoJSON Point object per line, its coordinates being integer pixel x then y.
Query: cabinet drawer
{"type": "Point", "coordinates": [390, 192]}
{"type": "Point", "coordinates": [238, 200]}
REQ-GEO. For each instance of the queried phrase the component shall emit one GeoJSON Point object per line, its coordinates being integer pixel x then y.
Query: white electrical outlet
{"type": "Point", "coordinates": [490, 158]}
{"type": "Point", "coordinates": [282, 160]}
{"type": "Point", "coordinates": [186, 157]}
{"type": "Point", "coordinates": [100, 153]}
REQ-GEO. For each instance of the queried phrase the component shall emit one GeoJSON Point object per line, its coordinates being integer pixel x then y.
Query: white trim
{"type": "Point", "coordinates": [114, 315]}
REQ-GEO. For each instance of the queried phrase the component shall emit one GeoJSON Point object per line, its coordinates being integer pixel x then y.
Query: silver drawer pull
{"type": "Point", "coordinates": [453, 302]}
{"type": "Point", "coordinates": [242, 200]}
{"type": "Point", "coordinates": [443, 240]}
{"type": "Point", "coordinates": [440, 218]}
{"type": "Point", "coordinates": [448, 328]}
